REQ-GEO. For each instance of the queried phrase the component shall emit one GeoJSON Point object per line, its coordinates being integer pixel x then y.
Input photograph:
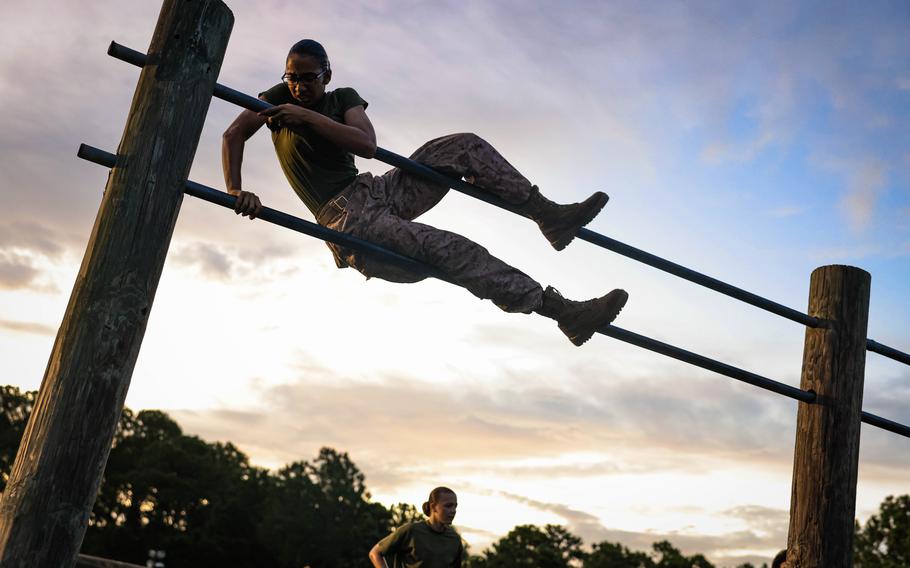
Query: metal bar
{"type": "Point", "coordinates": [393, 159]}
{"type": "Point", "coordinates": [697, 277]}
{"type": "Point", "coordinates": [276, 217]}
{"type": "Point", "coordinates": [706, 363]}
{"type": "Point", "coordinates": [886, 424]}
{"type": "Point", "coordinates": [889, 352]}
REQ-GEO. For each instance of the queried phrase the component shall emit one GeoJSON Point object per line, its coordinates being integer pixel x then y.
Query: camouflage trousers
{"type": "Point", "coordinates": [382, 209]}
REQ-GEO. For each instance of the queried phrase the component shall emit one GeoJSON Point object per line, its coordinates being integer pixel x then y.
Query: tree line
{"type": "Point", "coordinates": [207, 506]}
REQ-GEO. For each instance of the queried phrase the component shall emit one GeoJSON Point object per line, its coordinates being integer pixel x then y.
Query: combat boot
{"type": "Point", "coordinates": [560, 223]}
{"type": "Point", "coordinates": [579, 320]}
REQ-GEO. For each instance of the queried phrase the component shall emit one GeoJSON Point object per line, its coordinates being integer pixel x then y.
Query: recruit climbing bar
{"type": "Point", "coordinates": [276, 217]}
{"type": "Point", "coordinates": [889, 352]}
{"type": "Point", "coordinates": [230, 95]}
{"type": "Point", "coordinates": [240, 99]}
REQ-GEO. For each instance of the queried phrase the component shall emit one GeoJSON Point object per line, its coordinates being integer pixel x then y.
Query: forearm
{"type": "Point", "coordinates": [231, 161]}
{"type": "Point", "coordinates": [377, 559]}
{"type": "Point", "coordinates": [345, 137]}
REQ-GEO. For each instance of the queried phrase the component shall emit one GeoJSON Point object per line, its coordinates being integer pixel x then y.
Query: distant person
{"type": "Point", "coordinates": [780, 561]}
{"type": "Point", "coordinates": [431, 543]}
{"type": "Point", "coordinates": [316, 134]}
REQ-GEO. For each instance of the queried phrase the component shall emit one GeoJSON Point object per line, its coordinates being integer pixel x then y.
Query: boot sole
{"type": "Point", "coordinates": [567, 236]}
{"type": "Point", "coordinates": [579, 337]}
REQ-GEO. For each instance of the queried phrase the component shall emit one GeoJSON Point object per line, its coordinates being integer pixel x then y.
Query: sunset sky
{"type": "Point", "coordinates": [752, 141]}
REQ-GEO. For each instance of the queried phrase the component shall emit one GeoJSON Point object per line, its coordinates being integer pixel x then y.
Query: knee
{"type": "Point", "coordinates": [469, 139]}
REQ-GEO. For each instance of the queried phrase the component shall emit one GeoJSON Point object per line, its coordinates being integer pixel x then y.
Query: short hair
{"type": "Point", "coordinates": [312, 48]}
{"type": "Point", "coordinates": [434, 498]}
{"type": "Point", "coordinates": [779, 559]}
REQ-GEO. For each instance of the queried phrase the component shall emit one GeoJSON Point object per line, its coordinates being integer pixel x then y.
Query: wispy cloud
{"type": "Point", "coordinates": [28, 327]}
{"type": "Point", "coordinates": [17, 271]}
{"type": "Point", "coordinates": [768, 532]}
{"type": "Point", "coordinates": [785, 211]}
{"type": "Point", "coordinates": [866, 185]}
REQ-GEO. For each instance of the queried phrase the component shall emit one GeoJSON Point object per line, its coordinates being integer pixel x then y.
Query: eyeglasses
{"type": "Point", "coordinates": [290, 78]}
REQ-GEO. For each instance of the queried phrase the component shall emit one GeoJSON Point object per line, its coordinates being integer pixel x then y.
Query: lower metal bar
{"type": "Point", "coordinates": [706, 363]}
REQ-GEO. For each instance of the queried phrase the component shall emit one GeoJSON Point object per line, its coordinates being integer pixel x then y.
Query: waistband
{"type": "Point", "coordinates": [335, 206]}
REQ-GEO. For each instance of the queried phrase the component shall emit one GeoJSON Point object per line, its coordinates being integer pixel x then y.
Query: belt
{"type": "Point", "coordinates": [335, 206]}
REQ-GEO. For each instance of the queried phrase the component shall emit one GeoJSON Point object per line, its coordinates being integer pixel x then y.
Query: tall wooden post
{"type": "Point", "coordinates": [823, 500]}
{"type": "Point", "coordinates": [58, 468]}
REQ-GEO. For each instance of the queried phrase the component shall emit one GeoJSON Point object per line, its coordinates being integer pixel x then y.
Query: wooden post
{"type": "Point", "coordinates": [823, 500]}
{"type": "Point", "coordinates": [61, 458]}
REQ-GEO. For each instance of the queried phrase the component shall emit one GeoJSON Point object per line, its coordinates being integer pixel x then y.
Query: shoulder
{"type": "Point", "coordinates": [277, 95]}
{"type": "Point", "coordinates": [348, 97]}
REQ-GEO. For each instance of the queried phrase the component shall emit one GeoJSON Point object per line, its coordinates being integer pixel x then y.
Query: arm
{"type": "Point", "coordinates": [355, 135]}
{"type": "Point", "coordinates": [232, 142]}
{"type": "Point", "coordinates": [377, 559]}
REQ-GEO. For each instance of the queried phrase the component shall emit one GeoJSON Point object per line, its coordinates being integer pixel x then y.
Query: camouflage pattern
{"type": "Point", "coordinates": [382, 209]}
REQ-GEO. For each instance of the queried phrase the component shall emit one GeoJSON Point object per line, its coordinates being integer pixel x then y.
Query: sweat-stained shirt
{"type": "Point", "coordinates": [416, 545]}
{"type": "Point", "coordinates": [316, 168]}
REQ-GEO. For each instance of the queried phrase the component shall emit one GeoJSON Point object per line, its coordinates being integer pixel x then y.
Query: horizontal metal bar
{"type": "Point", "coordinates": [886, 424]}
{"type": "Point", "coordinates": [697, 277]}
{"type": "Point", "coordinates": [276, 217]}
{"type": "Point", "coordinates": [706, 363]}
{"type": "Point", "coordinates": [889, 352]}
{"type": "Point", "coordinates": [393, 159]}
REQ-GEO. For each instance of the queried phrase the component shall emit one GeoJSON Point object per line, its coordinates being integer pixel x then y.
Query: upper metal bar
{"type": "Point", "coordinates": [889, 352]}
{"type": "Point", "coordinates": [886, 424]}
{"type": "Point", "coordinates": [212, 195]}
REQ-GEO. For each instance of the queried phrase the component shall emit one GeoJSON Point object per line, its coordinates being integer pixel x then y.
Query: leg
{"type": "Point", "coordinates": [467, 263]}
{"type": "Point", "coordinates": [456, 155]}
{"type": "Point", "coordinates": [472, 157]}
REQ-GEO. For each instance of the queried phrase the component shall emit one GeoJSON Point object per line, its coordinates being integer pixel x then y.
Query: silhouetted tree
{"type": "Point", "coordinates": [403, 513]}
{"type": "Point", "coordinates": [162, 489]}
{"type": "Point", "coordinates": [320, 514]}
{"type": "Point", "coordinates": [884, 542]}
{"type": "Point", "coordinates": [15, 408]}
{"type": "Point", "coordinates": [610, 555]}
{"type": "Point", "coordinates": [528, 545]}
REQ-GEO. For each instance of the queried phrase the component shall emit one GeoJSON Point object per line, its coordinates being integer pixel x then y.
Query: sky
{"type": "Point", "coordinates": [752, 141]}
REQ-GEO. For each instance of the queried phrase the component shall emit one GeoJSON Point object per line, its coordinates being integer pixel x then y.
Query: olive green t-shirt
{"type": "Point", "coordinates": [316, 168]}
{"type": "Point", "coordinates": [416, 545]}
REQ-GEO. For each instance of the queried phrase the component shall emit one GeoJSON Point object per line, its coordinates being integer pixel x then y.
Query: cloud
{"type": "Point", "coordinates": [223, 263]}
{"type": "Point", "coordinates": [786, 211]}
{"type": "Point", "coordinates": [31, 236]}
{"type": "Point", "coordinates": [866, 185]}
{"type": "Point", "coordinates": [17, 271]}
{"type": "Point", "coordinates": [768, 532]}
{"type": "Point", "coordinates": [208, 259]}
{"type": "Point", "coordinates": [28, 327]}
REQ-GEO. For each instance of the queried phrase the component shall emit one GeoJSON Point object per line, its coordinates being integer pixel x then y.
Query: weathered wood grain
{"type": "Point", "coordinates": [823, 499]}
{"type": "Point", "coordinates": [61, 458]}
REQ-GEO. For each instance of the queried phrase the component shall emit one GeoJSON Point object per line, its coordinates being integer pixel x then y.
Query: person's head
{"type": "Point", "coordinates": [780, 561]}
{"type": "Point", "coordinates": [441, 506]}
{"type": "Point", "coordinates": [307, 71]}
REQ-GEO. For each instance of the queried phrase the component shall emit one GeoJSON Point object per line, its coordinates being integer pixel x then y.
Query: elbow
{"type": "Point", "coordinates": [369, 150]}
